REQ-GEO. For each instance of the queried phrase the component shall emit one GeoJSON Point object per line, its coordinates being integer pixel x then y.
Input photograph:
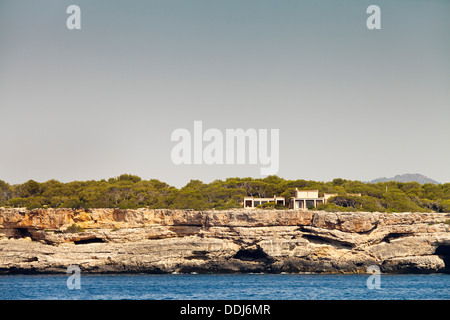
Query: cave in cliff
{"type": "Point", "coordinates": [89, 240]}
{"type": "Point", "coordinates": [443, 251]}
{"type": "Point", "coordinates": [252, 254]}
{"type": "Point", "coordinates": [22, 233]}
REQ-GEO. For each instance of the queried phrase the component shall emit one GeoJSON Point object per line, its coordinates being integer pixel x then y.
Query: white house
{"type": "Point", "coordinates": [305, 199]}
{"type": "Point", "coordinates": [251, 202]}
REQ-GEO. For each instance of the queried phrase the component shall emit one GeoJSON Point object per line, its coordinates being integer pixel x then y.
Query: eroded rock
{"type": "Point", "coordinates": [168, 241]}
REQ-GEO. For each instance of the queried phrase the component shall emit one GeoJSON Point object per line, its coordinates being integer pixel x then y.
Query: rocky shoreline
{"type": "Point", "coordinates": [231, 241]}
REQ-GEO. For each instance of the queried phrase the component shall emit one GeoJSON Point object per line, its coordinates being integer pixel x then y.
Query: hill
{"type": "Point", "coordinates": [408, 177]}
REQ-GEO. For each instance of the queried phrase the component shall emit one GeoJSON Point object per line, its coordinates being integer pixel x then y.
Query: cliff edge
{"type": "Point", "coordinates": [272, 241]}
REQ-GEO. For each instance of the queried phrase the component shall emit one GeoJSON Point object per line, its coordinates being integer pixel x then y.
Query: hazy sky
{"type": "Point", "coordinates": [101, 101]}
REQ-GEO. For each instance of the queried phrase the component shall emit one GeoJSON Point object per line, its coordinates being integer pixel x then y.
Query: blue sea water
{"type": "Point", "coordinates": [225, 287]}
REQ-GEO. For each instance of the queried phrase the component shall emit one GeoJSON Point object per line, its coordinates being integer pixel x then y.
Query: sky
{"type": "Point", "coordinates": [349, 102]}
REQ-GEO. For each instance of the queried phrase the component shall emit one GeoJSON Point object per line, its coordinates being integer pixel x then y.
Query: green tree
{"type": "Point", "coordinates": [5, 192]}
{"type": "Point", "coordinates": [445, 206]}
{"type": "Point", "coordinates": [31, 188]}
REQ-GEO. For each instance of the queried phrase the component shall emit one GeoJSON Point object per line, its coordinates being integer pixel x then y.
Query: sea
{"type": "Point", "coordinates": [226, 287]}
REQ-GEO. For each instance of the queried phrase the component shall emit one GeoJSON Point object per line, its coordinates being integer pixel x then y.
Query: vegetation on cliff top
{"type": "Point", "coordinates": [131, 192]}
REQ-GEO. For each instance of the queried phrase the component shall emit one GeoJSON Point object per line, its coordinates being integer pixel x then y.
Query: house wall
{"type": "Point", "coordinates": [306, 194]}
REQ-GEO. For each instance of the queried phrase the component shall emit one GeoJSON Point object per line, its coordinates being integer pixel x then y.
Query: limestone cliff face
{"type": "Point", "coordinates": [166, 241]}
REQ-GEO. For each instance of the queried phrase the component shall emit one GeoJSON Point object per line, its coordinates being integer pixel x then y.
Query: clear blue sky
{"type": "Point", "coordinates": [101, 101]}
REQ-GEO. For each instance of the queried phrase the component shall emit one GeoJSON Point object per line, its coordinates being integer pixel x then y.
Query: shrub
{"type": "Point", "coordinates": [271, 205]}
{"type": "Point", "coordinates": [346, 201]}
{"type": "Point", "coordinates": [34, 205]}
{"type": "Point", "coordinates": [18, 202]}
{"type": "Point", "coordinates": [444, 206]}
{"type": "Point", "coordinates": [74, 228]}
{"type": "Point", "coordinates": [73, 203]}
{"type": "Point", "coordinates": [331, 207]}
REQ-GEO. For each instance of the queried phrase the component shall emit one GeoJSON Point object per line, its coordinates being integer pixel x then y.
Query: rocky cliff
{"type": "Point", "coordinates": [167, 241]}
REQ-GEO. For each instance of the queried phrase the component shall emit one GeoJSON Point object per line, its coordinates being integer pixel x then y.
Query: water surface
{"type": "Point", "coordinates": [229, 287]}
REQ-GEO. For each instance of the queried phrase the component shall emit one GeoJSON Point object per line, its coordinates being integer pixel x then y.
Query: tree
{"type": "Point", "coordinates": [338, 182]}
{"type": "Point", "coordinates": [72, 203]}
{"type": "Point", "coordinates": [5, 191]}
{"type": "Point", "coordinates": [345, 201]}
{"type": "Point", "coordinates": [128, 177]}
{"type": "Point", "coordinates": [445, 206]}
{"type": "Point", "coordinates": [31, 188]}
{"type": "Point", "coordinates": [129, 191]}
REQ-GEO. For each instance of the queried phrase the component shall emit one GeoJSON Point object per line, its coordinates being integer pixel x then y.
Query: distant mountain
{"type": "Point", "coordinates": [408, 177]}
